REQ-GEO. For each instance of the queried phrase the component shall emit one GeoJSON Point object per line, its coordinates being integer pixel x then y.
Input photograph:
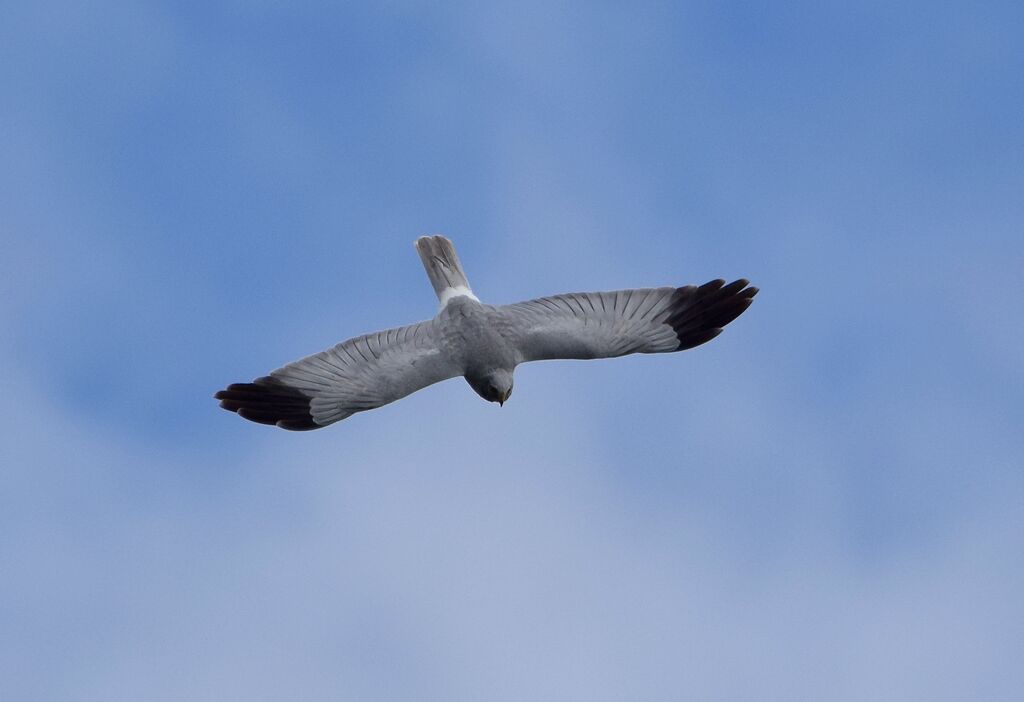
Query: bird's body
{"type": "Point", "coordinates": [483, 343]}
{"type": "Point", "coordinates": [473, 335]}
{"type": "Point", "coordinates": [475, 338]}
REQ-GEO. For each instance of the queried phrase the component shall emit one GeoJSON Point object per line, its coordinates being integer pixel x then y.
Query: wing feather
{"type": "Point", "coordinates": [356, 375]}
{"type": "Point", "coordinates": [610, 324]}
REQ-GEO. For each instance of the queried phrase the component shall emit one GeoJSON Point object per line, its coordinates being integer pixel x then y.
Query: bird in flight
{"type": "Point", "coordinates": [483, 343]}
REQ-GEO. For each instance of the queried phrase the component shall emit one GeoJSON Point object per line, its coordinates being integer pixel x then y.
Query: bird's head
{"type": "Point", "coordinates": [495, 386]}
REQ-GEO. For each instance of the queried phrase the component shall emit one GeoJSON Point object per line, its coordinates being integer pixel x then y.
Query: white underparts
{"type": "Point", "coordinates": [458, 291]}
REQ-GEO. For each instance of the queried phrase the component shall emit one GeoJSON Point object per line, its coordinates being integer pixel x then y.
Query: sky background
{"type": "Point", "coordinates": [826, 502]}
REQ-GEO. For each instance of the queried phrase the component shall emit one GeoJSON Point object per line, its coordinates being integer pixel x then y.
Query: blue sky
{"type": "Point", "coordinates": [823, 503]}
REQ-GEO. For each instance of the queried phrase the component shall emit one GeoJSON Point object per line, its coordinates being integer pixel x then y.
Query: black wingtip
{"type": "Point", "coordinates": [269, 401]}
{"type": "Point", "coordinates": [698, 314]}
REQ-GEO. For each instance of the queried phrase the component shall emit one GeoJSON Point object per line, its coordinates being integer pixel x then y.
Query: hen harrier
{"type": "Point", "coordinates": [484, 343]}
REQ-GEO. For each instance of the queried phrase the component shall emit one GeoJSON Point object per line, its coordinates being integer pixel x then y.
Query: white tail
{"type": "Point", "coordinates": [443, 268]}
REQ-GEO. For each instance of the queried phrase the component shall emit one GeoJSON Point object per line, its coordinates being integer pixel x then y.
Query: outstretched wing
{"type": "Point", "coordinates": [609, 324]}
{"type": "Point", "coordinates": [356, 375]}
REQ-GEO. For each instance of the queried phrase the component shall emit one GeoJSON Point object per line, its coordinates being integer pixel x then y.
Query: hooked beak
{"type": "Point", "coordinates": [503, 400]}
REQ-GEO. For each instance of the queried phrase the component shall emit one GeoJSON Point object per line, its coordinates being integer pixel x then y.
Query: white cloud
{"type": "Point", "coordinates": [459, 563]}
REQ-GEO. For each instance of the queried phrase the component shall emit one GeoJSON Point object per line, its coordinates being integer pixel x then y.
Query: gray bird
{"type": "Point", "coordinates": [484, 343]}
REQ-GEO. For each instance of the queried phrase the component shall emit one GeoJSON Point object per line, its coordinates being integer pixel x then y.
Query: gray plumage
{"type": "Point", "coordinates": [484, 343]}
